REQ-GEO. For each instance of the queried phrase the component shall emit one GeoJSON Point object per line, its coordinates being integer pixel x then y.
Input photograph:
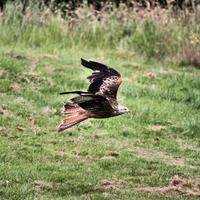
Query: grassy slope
{"type": "Point", "coordinates": [72, 165]}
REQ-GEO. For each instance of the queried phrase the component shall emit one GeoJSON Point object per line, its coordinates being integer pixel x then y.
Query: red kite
{"type": "Point", "coordinates": [100, 101]}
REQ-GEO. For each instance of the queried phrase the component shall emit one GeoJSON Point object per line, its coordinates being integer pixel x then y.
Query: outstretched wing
{"type": "Point", "coordinates": [104, 81]}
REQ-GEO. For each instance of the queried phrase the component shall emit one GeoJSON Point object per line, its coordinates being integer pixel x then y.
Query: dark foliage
{"type": "Point", "coordinates": [98, 4]}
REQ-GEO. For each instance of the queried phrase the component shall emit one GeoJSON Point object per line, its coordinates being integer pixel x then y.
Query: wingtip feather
{"type": "Point", "coordinates": [83, 61]}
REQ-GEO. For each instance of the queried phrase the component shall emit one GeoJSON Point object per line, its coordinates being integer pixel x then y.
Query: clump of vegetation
{"type": "Point", "coordinates": [156, 34]}
{"type": "Point", "coordinates": [190, 56]}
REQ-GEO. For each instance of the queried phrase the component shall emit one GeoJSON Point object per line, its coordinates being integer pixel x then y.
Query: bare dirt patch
{"type": "Point", "coordinates": [113, 153]}
{"type": "Point", "coordinates": [107, 185]}
{"type": "Point", "coordinates": [111, 184]}
{"type": "Point", "coordinates": [20, 128]}
{"type": "Point", "coordinates": [110, 155]}
{"type": "Point", "coordinates": [81, 155]}
{"type": "Point", "coordinates": [177, 186]}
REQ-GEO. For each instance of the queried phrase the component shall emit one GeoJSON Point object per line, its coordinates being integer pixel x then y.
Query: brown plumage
{"type": "Point", "coordinates": [100, 101]}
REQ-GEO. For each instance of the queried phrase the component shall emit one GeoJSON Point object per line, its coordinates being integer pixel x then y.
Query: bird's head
{"type": "Point", "coordinates": [122, 110]}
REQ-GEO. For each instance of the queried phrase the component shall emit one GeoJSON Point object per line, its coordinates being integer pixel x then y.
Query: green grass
{"type": "Point", "coordinates": [160, 137]}
{"type": "Point", "coordinates": [73, 164]}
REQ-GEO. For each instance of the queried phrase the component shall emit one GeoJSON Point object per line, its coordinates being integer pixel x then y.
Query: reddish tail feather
{"type": "Point", "coordinates": [69, 122]}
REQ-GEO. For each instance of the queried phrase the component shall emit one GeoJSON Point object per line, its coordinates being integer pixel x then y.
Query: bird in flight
{"type": "Point", "coordinates": [100, 100]}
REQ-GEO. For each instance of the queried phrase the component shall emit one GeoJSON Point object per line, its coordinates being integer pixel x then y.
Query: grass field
{"type": "Point", "coordinates": [98, 159]}
{"type": "Point", "coordinates": [116, 158]}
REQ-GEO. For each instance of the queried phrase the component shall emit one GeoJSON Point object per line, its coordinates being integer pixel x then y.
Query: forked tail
{"type": "Point", "coordinates": [69, 122]}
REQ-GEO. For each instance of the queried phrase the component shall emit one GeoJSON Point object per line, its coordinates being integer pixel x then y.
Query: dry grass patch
{"type": "Point", "coordinates": [185, 145]}
{"type": "Point", "coordinates": [157, 128]}
{"type": "Point", "coordinates": [78, 140]}
{"type": "Point", "coordinates": [5, 112]}
{"type": "Point", "coordinates": [150, 75]}
{"type": "Point", "coordinates": [100, 135]}
{"type": "Point", "coordinates": [111, 184]}
{"type": "Point", "coordinates": [16, 88]}
{"type": "Point", "coordinates": [177, 186]}
{"type": "Point", "coordinates": [41, 183]}
{"type": "Point", "coordinates": [81, 155]}
{"type": "Point", "coordinates": [159, 155]}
